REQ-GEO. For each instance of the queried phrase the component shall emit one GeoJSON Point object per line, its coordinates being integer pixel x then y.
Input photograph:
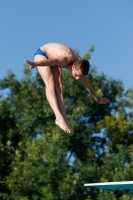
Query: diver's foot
{"type": "Point", "coordinates": [63, 125]}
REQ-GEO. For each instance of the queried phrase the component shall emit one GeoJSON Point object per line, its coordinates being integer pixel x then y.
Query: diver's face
{"type": "Point", "coordinates": [76, 73]}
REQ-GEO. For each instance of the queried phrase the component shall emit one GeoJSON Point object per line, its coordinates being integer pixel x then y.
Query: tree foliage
{"type": "Point", "coordinates": [39, 161]}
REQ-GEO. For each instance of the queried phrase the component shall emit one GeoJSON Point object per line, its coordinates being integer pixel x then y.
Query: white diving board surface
{"type": "Point", "coordinates": [123, 185]}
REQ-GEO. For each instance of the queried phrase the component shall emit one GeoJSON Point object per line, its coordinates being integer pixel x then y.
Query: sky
{"type": "Point", "coordinates": [25, 25]}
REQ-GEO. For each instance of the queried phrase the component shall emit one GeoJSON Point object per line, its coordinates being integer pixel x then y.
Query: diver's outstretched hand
{"type": "Point", "coordinates": [103, 100]}
{"type": "Point", "coordinates": [32, 64]}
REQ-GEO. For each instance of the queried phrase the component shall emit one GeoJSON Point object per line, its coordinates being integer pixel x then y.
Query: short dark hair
{"type": "Point", "coordinates": [84, 65]}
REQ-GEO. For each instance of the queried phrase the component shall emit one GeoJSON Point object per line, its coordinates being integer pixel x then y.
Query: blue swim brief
{"type": "Point", "coordinates": [40, 52]}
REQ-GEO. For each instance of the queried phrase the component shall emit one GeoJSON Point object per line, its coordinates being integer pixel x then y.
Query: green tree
{"type": "Point", "coordinates": [39, 161]}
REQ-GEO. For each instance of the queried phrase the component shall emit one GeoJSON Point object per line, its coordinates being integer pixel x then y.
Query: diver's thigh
{"type": "Point", "coordinates": [57, 73]}
{"type": "Point", "coordinates": [44, 71]}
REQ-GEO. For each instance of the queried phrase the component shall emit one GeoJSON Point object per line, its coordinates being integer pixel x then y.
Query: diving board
{"type": "Point", "coordinates": [123, 185]}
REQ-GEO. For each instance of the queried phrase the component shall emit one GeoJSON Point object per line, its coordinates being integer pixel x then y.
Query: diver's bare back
{"type": "Point", "coordinates": [61, 52]}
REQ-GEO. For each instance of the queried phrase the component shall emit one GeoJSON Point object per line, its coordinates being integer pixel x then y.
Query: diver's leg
{"type": "Point", "coordinates": [57, 72]}
{"type": "Point", "coordinates": [47, 76]}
